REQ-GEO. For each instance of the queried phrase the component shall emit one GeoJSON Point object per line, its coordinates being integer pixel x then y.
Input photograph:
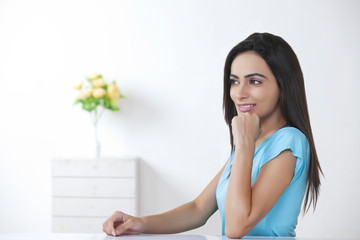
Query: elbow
{"type": "Point", "coordinates": [234, 234]}
{"type": "Point", "coordinates": [236, 231]}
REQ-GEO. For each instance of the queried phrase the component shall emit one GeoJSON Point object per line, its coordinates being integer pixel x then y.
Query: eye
{"type": "Point", "coordinates": [234, 82]}
{"type": "Point", "coordinates": [254, 82]}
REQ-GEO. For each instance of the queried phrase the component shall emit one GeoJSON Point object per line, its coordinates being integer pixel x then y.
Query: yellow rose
{"type": "Point", "coordinates": [78, 87]}
{"type": "Point", "coordinates": [98, 83]}
{"type": "Point", "coordinates": [85, 93]}
{"type": "Point", "coordinates": [95, 76]}
{"type": "Point", "coordinates": [98, 92]}
{"type": "Point", "coordinates": [113, 91]}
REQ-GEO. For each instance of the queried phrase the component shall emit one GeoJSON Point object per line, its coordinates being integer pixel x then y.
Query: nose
{"type": "Point", "coordinates": [241, 91]}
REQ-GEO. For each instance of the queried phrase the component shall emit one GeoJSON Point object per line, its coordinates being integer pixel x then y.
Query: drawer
{"type": "Point", "coordinates": [91, 207]}
{"type": "Point", "coordinates": [93, 168]}
{"type": "Point", "coordinates": [77, 225]}
{"type": "Point", "coordinates": [93, 187]}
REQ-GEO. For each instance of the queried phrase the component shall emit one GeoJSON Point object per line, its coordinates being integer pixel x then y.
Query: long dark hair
{"type": "Point", "coordinates": [285, 66]}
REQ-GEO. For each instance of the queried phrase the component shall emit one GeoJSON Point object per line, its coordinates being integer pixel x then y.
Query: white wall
{"type": "Point", "coordinates": [168, 58]}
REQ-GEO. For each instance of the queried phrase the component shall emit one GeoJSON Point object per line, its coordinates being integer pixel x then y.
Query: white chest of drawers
{"type": "Point", "coordinates": [86, 192]}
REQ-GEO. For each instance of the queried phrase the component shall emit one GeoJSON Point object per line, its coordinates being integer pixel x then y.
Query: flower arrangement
{"type": "Point", "coordinates": [98, 93]}
{"type": "Point", "coordinates": [95, 96]}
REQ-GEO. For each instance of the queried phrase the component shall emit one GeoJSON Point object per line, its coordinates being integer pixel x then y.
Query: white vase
{"type": "Point", "coordinates": [97, 143]}
{"type": "Point", "coordinates": [95, 115]}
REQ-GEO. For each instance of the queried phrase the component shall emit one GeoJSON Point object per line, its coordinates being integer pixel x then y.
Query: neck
{"type": "Point", "coordinates": [271, 124]}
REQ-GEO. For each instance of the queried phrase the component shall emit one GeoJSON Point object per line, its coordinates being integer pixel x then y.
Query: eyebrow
{"type": "Point", "coordinates": [249, 75]}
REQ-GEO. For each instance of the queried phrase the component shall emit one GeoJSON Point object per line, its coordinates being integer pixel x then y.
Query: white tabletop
{"type": "Point", "coordinates": [79, 236]}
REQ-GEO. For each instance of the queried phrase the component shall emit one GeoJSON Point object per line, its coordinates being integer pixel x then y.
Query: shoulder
{"type": "Point", "coordinates": [286, 138]}
{"type": "Point", "coordinates": [293, 139]}
{"type": "Point", "coordinates": [289, 135]}
{"type": "Point", "coordinates": [289, 138]}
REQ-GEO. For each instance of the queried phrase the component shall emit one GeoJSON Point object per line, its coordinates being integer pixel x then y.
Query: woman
{"type": "Point", "coordinates": [273, 161]}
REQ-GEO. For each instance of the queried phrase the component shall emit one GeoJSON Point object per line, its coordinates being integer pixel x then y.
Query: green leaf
{"type": "Point", "coordinates": [77, 101]}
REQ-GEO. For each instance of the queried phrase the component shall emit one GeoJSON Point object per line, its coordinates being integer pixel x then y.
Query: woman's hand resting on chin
{"type": "Point", "coordinates": [245, 126]}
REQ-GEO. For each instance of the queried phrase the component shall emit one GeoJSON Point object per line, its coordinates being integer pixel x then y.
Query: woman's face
{"type": "Point", "coordinates": [253, 86]}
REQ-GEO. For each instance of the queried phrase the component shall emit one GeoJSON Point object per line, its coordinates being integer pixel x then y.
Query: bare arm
{"type": "Point", "coordinates": [245, 206]}
{"type": "Point", "coordinates": [183, 218]}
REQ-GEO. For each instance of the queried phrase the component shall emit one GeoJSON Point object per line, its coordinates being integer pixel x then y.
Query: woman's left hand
{"type": "Point", "coordinates": [245, 126]}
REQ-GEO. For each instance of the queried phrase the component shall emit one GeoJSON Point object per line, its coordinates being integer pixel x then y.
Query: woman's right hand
{"type": "Point", "coordinates": [122, 224]}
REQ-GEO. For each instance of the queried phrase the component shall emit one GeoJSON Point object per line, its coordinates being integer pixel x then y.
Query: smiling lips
{"type": "Point", "coordinates": [246, 107]}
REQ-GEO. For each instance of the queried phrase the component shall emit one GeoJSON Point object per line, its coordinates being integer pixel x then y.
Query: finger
{"type": "Point", "coordinates": [108, 227]}
{"type": "Point", "coordinates": [110, 222]}
{"type": "Point", "coordinates": [105, 227]}
{"type": "Point", "coordinates": [116, 215]}
{"type": "Point", "coordinates": [125, 227]}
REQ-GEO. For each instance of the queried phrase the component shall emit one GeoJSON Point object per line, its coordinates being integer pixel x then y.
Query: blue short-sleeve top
{"type": "Point", "coordinates": [282, 218]}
